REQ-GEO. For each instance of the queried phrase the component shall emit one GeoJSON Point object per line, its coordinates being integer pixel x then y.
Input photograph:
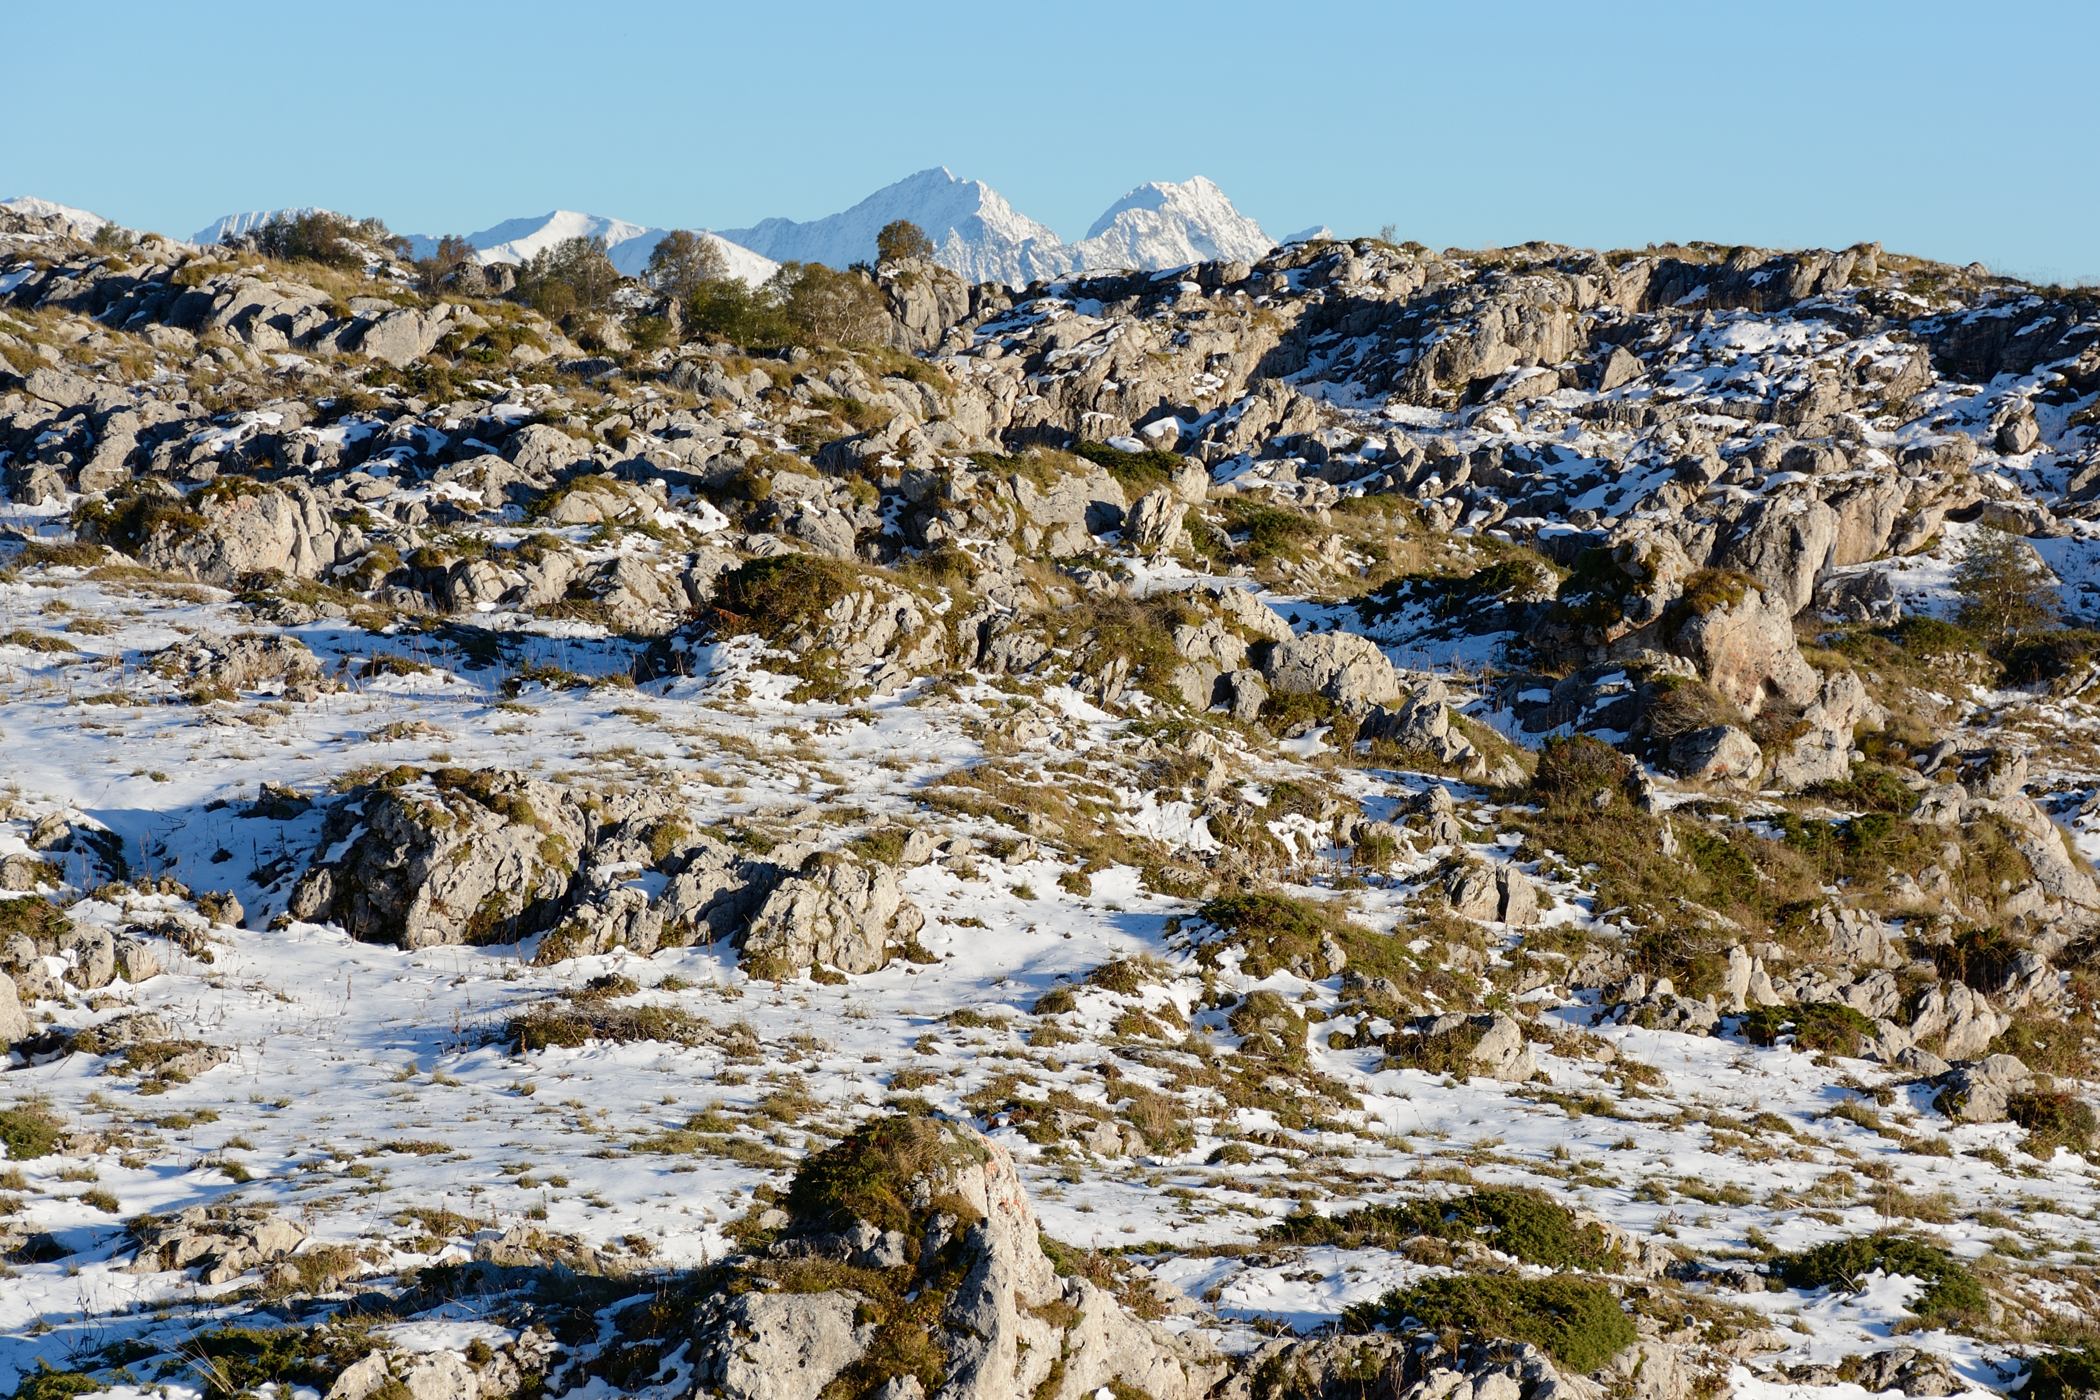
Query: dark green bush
{"type": "Point", "coordinates": [1828, 1026]}
{"type": "Point", "coordinates": [1264, 531]}
{"type": "Point", "coordinates": [1578, 770]}
{"type": "Point", "coordinates": [2053, 1118]}
{"type": "Point", "coordinates": [868, 1174]}
{"type": "Point", "coordinates": [2050, 655]}
{"type": "Point", "coordinates": [1578, 1322]}
{"type": "Point", "coordinates": [2063, 1375]}
{"type": "Point", "coordinates": [1953, 1295]}
{"type": "Point", "coordinates": [1872, 787]}
{"type": "Point", "coordinates": [29, 1130]}
{"type": "Point", "coordinates": [1934, 638]}
{"type": "Point", "coordinates": [1273, 932]}
{"type": "Point", "coordinates": [48, 1384]}
{"type": "Point", "coordinates": [770, 597]}
{"type": "Point", "coordinates": [1138, 472]}
{"type": "Point", "coordinates": [1522, 1223]}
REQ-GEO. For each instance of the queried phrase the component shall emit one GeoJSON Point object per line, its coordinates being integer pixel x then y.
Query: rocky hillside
{"type": "Point", "coordinates": [1366, 822]}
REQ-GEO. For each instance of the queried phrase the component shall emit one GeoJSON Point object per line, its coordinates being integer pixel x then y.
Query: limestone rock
{"type": "Point", "coordinates": [1342, 666]}
{"type": "Point", "coordinates": [1491, 1045]}
{"type": "Point", "coordinates": [1978, 1091]}
{"type": "Point", "coordinates": [223, 1242]}
{"type": "Point", "coordinates": [246, 662]}
{"type": "Point", "coordinates": [1744, 647]}
{"type": "Point", "coordinates": [1719, 753]}
{"type": "Point", "coordinates": [838, 911]}
{"type": "Point", "coordinates": [785, 1346]}
{"type": "Point", "coordinates": [478, 856]}
{"type": "Point", "coordinates": [1153, 526]}
{"type": "Point", "coordinates": [1008, 1325]}
{"type": "Point", "coordinates": [14, 1021]}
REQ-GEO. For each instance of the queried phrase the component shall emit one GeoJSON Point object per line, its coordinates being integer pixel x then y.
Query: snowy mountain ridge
{"type": "Point", "coordinates": [975, 231]}
{"type": "Point", "coordinates": [978, 233]}
{"type": "Point", "coordinates": [627, 244]}
{"type": "Point", "coordinates": [77, 221]}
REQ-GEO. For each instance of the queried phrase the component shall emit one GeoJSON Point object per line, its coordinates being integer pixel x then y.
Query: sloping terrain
{"type": "Point", "coordinates": [1356, 824]}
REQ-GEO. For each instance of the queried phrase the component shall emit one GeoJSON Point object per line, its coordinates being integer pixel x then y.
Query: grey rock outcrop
{"type": "Point", "coordinates": [14, 1021]}
{"type": "Point", "coordinates": [466, 857]}
{"type": "Point", "coordinates": [245, 662]}
{"type": "Point", "coordinates": [1344, 667]}
{"type": "Point", "coordinates": [221, 1242]}
{"type": "Point", "coordinates": [1491, 1045]}
{"type": "Point", "coordinates": [1743, 646]}
{"type": "Point", "coordinates": [1719, 753]}
{"type": "Point", "coordinates": [1981, 1091]}
{"type": "Point", "coordinates": [955, 1225]}
{"type": "Point", "coordinates": [838, 911]}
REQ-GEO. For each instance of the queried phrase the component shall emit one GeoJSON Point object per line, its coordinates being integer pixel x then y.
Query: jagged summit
{"type": "Point", "coordinates": [975, 231]}
{"type": "Point", "coordinates": [1165, 225]}
{"type": "Point", "coordinates": [978, 233]}
{"type": "Point", "coordinates": [973, 228]}
{"type": "Point", "coordinates": [80, 222]}
{"type": "Point", "coordinates": [248, 221]}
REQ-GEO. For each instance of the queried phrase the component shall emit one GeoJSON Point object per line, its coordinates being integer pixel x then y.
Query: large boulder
{"type": "Point", "coordinates": [1741, 642]}
{"type": "Point", "coordinates": [1822, 751]}
{"type": "Point", "coordinates": [223, 1242]}
{"type": "Point", "coordinates": [1717, 753]}
{"type": "Point", "coordinates": [225, 532]}
{"type": "Point", "coordinates": [923, 299]}
{"type": "Point", "coordinates": [911, 1259]}
{"type": "Point", "coordinates": [839, 911]}
{"type": "Point", "coordinates": [403, 336]}
{"type": "Point", "coordinates": [1346, 668]}
{"type": "Point", "coordinates": [208, 666]}
{"type": "Point", "coordinates": [459, 856]}
{"type": "Point", "coordinates": [1981, 1091]}
{"type": "Point", "coordinates": [786, 1346]}
{"type": "Point", "coordinates": [14, 1021]}
{"type": "Point", "coordinates": [1491, 1045]}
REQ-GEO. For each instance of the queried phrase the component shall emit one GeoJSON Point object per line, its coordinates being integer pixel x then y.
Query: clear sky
{"type": "Point", "coordinates": [1959, 131]}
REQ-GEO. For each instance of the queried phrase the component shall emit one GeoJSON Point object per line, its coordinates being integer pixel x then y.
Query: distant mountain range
{"type": "Point", "coordinates": [77, 221]}
{"type": "Point", "coordinates": [974, 230]}
{"type": "Point", "coordinates": [977, 233]}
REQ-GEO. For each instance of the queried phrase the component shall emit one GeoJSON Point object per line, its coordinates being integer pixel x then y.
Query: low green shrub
{"type": "Point", "coordinates": [1829, 1026]}
{"type": "Point", "coordinates": [1952, 1296]}
{"type": "Point", "coordinates": [1577, 1321]}
{"type": "Point", "coordinates": [2063, 1375]}
{"type": "Point", "coordinates": [30, 1130]}
{"type": "Point", "coordinates": [1523, 1223]}
{"type": "Point", "coordinates": [868, 1174]}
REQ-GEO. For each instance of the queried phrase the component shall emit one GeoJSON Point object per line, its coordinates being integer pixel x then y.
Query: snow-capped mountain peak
{"type": "Point", "coordinates": [1163, 224]}
{"type": "Point", "coordinates": [233, 225]}
{"type": "Point", "coordinates": [974, 230]}
{"type": "Point", "coordinates": [978, 233]}
{"type": "Point", "coordinates": [628, 245]}
{"type": "Point", "coordinates": [79, 222]}
{"type": "Point", "coordinates": [515, 240]}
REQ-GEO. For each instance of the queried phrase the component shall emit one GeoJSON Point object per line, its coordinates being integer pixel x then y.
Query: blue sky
{"type": "Point", "coordinates": [1959, 132]}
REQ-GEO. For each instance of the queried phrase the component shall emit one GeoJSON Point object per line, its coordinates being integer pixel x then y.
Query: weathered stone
{"type": "Point", "coordinates": [1342, 666]}
{"type": "Point", "coordinates": [838, 912]}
